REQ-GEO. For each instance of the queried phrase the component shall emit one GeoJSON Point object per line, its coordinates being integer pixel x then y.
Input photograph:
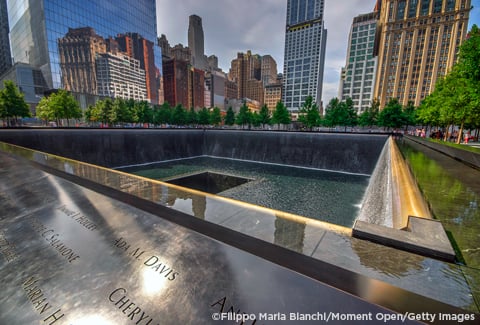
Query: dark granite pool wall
{"type": "Point", "coordinates": [355, 153]}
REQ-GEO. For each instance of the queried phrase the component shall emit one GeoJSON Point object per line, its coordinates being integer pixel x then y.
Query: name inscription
{"type": "Point", "coordinates": [7, 249]}
{"type": "Point", "coordinates": [39, 301]}
{"type": "Point", "coordinates": [132, 311]}
{"type": "Point", "coordinates": [152, 261]}
{"type": "Point", "coordinates": [53, 239]}
{"type": "Point", "coordinates": [81, 219]}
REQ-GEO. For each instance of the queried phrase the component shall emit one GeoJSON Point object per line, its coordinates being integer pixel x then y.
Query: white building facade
{"type": "Point", "coordinates": [357, 80]}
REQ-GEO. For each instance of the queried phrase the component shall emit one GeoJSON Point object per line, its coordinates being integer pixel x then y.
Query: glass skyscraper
{"type": "Point", "coordinates": [358, 76]}
{"type": "Point", "coordinates": [41, 29]}
{"type": "Point", "coordinates": [5, 59]}
{"type": "Point", "coordinates": [304, 57]}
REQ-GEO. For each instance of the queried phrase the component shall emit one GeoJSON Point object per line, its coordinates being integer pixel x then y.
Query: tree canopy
{"type": "Point", "coordinates": [12, 103]}
{"type": "Point", "coordinates": [58, 106]}
{"type": "Point", "coordinates": [309, 113]}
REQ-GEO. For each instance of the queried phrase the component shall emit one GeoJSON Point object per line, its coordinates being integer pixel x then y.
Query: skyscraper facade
{"type": "Point", "coordinates": [245, 68]}
{"type": "Point", "coordinates": [120, 76]}
{"type": "Point", "coordinates": [269, 70]}
{"type": "Point", "coordinates": [196, 42]}
{"type": "Point", "coordinates": [5, 56]}
{"type": "Point", "coordinates": [37, 28]}
{"type": "Point", "coordinates": [304, 56]}
{"type": "Point", "coordinates": [358, 76]}
{"type": "Point", "coordinates": [418, 44]}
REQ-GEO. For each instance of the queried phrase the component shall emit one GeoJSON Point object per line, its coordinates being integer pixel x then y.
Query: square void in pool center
{"type": "Point", "coordinates": [324, 195]}
{"type": "Point", "coordinates": [209, 182]}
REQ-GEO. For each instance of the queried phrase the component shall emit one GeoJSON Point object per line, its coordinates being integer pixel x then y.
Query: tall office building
{"type": "Point", "coordinates": [37, 26]}
{"type": "Point", "coordinates": [244, 68]}
{"type": "Point", "coordinates": [418, 44]}
{"type": "Point", "coordinates": [358, 76]}
{"type": "Point", "coordinates": [77, 51]}
{"type": "Point", "coordinates": [175, 82]}
{"type": "Point", "coordinates": [269, 70]}
{"type": "Point", "coordinates": [196, 42]}
{"type": "Point", "coordinates": [141, 49]}
{"type": "Point", "coordinates": [304, 56]}
{"type": "Point", "coordinates": [5, 56]}
{"type": "Point", "coordinates": [120, 76]}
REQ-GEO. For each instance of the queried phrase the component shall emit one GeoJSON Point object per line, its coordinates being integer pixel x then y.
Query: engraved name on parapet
{"type": "Point", "coordinates": [53, 238]}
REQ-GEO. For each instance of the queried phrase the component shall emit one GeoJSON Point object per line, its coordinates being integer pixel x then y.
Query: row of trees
{"type": "Point", "coordinates": [121, 112]}
{"type": "Point", "coordinates": [338, 113]}
{"type": "Point", "coordinates": [62, 106]}
{"type": "Point", "coordinates": [456, 98]}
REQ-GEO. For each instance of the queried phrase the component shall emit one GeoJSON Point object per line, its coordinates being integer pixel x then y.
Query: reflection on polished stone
{"type": "Point", "coordinates": [209, 182]}
{"type": "Point", "coordinates": [84, 258]}
{"type": "Point", "coordinates": [112, 255]}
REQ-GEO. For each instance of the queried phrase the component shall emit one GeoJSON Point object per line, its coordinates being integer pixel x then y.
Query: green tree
{"type": "Point", "coordinates": [243, 116]}
{"type": "Point", "coordinates": [164, 114]}
{"type": "Point", "coordinates": [230, 116]}
{"type": "Point", "coordinates": [370, 116]}
{"type": "Point", "coordinates": [104, 109]}
{"type": "Point", "coordinates": [192, 117]}
{"type": "Point", "coordinates": [281, 115]}
{"type": "Point", "coordinates": [12, 103]}
{"type": "Point", "coordinates": [456, 98]}
{"type": "Point", "coordinates": [340, 113]}
{"type": "Point", "coordinates": [44, 112]}
{"type": "Point", "coordinates": [121, 112]}
{"type": "Point", "coordinates": [264, 117]}
{"type": "Point", "coordinates": [309, 113]}
{"type": "Point", "coordinates": [255, 119]}
{"type": "Point", "coordinates": [409, 113]}
{"type": "Point", "coordinates": [392, 115]}
{"type": "Point", "coordinates": [144, 112]}
{"type": "Point", "coordinates": [204, 116]}
{"type": "Point", "coordinates": [216, 116]}
{"type": "Point", "coordinates": [61, 105]}
{"type": "Point", "coordinates": [179, 116]}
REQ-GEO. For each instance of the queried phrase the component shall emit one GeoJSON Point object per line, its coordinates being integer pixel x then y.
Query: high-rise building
{"type": "Point", "coordinates": [37, 26]}
{"type": "Point", "coordinates": [358, 76]}
{"type": "Point", "coordinates": [196, 88]}
{"type": "Point", "coordinates": [196, 42]}
{"type": "Point", "coordinates": [269, 70]}
{"type": "Point", "coordinates": [77, 51]}
{"type": "Point", "coordinates": [175, 82]}
{"type": "Point", "coordinates": [304, 57]}
{"type": "Point", "coordinates": [5, 56]}
{"type": "Point", "coordinates": [141, 49]}
{"type": "Point", "coordinates": [273, 94]}
{"type": "Point", "coordinates": [244, 68]}
{"type": "Point", "coordinates": [418, 44]}
{"type": "Point", "coordinates": [215, 82]}
{"type": "Point", "coordinates": [120, 76]}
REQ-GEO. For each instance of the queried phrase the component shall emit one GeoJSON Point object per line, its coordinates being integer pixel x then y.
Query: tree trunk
{"type": "Point", "coordinates": [459, 137]}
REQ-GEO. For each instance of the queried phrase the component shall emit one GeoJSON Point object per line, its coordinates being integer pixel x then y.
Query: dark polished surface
{"type": "Point", "coordinates": [74, 256]}
{"type": "Point", "coordinates": [324, 242]}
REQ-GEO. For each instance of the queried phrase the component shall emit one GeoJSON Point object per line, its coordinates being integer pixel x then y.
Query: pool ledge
{"type": "Point", "coordinates": [422, 236]}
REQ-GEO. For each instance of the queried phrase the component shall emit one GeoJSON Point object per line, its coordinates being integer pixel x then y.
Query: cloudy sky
{"type": "Point", "coordinates": [232, 26]}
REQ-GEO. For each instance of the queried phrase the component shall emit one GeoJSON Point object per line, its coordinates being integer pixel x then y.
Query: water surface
{"type": "Point", "coordinates": [324, 195]}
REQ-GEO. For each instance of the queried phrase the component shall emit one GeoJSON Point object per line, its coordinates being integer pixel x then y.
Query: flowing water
{"type": "Point", "coordinates": [324, 195]}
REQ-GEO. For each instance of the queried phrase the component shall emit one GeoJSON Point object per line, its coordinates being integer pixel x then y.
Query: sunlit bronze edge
{"type": "Point", "coordinates": [409, 200]}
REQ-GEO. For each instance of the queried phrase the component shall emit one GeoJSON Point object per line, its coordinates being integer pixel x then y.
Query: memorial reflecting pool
{"type": "Point", "coordinates": [452, 190]}
{"type": "Point", "coordinates": [323, 195]}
